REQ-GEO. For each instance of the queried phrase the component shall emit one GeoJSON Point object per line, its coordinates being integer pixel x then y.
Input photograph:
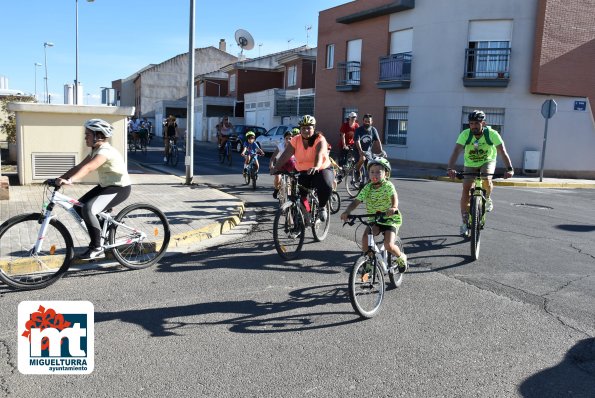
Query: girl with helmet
{"type": "Point", "coordinates": [251, 148]}
{"type": "Point", "coordinates": [114, 182]}
{"type": "Point", "coordinates": [380, 195]}
{"type": "Point", "coordinates": [289, 165]}
{"type": "Point", "coordinates": [311, 155]}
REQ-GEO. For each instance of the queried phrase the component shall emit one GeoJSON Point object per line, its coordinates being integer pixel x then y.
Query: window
{"type": "Point", "coordinates": [232, 83]}
{"type": "Point", "coordinates": [330, 56]}
{"type": "Point", "coordinates": [489, 44]}
{"type": "Point", "coordinates": [291, 76]}
{"type": "Point", "coordinates": [396, 125]}
{"type": "Point", "coordinates": [494, 117]}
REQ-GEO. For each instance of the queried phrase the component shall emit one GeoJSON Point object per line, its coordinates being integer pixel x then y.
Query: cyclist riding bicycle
{"type": "Point", "coordinates": [114, 182]}
{"type": "Point", "coordinates": [171, 129]}
{"type": "Point", "coordinates": [481, 145]}
{"type": "Point", "coordinates": [380, 195]}
{"type": "Point", "coordinates": [251, 149]}
{"type": "Point", "coordinates": [366, 139]}
{"type": "Point", "coordinates": [347, 132]}
{"type": "Point", "coordinates": [311, 155]}
{"type": "Point", "coordinates": [224, 130]}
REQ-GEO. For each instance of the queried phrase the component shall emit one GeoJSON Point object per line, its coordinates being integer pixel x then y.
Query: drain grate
{"type": "Point", "coordinates": [533, 206]}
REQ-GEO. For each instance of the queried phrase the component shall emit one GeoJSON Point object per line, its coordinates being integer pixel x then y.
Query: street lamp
{"type": "Point", "coordinates": [76, 76]}
{"type": "Point", "coordinates": [45, 55]}
{"type": "Point", "coordinates": [36, 65]}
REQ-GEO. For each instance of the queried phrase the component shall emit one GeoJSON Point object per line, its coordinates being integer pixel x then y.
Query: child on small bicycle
{"type": "Point", "coordinates": [251, 149]}
{"type": "Point", "coordinates": [380, 195]}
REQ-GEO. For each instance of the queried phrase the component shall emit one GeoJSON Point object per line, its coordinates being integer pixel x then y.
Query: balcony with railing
{"type": "Point", "coordinates": [348, 76]}
{"type": "Point", "coordinates": [395, 71]}
{"type": "Point", "coordinates": [487, 67]}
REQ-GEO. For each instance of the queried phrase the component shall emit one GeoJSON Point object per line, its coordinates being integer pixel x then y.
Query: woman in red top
{"type": "Point", "coordinates": [312, 159]}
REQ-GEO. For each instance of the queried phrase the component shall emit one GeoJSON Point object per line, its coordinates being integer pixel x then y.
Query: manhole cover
{"type": "Point", "coordinates": [533, 206]}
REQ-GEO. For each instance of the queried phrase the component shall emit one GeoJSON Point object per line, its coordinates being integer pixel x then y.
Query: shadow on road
{"type": "Point", "coordinates": [246, 316]}
{"type": "Point", "coordinates": [576, 227]}
{"type": "Point", "coordinates": [573, 377]}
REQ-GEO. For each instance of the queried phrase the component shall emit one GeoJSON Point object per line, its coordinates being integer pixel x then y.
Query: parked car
{"type": "Point", "coordinates": [238, 136]}
{"type": "Point", "coordinates": [272, 138]}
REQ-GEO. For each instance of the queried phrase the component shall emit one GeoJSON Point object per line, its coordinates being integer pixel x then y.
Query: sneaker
{"type": "Point", "coordinates": [489, 205]}
{"type": "Point", "coordinates": [275, 193]}
{"type": "Point", "coordinates": [92, 254]}
{"type": "Point", "coordinates": [323, 214]}
{"type": "Point", "coordinates": [401, 263]}
{"type": "Point", "coordinates": [463, 230]}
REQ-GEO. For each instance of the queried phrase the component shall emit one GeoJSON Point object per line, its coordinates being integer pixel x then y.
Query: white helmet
{"type": "Point", "coordinates": [101, 126]}
{"type": "Point", "coordinates": [353, 114]}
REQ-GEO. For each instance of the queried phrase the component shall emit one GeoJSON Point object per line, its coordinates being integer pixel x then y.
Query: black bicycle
{"type": "Point", "coordinates": [225, 153]}
{"type": "Point", "coordinates": [477, 209]}
{"type": "Point", "coordinates": [292, 218]}
{"type": "Point", "coordinates": [172, 152]}
{"type": "Point", "coordinates": [250, 172]}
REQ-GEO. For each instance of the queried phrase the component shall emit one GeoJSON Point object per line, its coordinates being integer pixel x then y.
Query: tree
{"type": "Point", "coordinates": [9, 126]}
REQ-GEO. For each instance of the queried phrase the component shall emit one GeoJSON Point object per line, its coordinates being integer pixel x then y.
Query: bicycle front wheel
{"type": "Point", "coordinates": [173, 156]}
{"type": "Point", "coordinates": [366, 287]}
{"type": "Point", "coordinates": [20, 267]}
{"type": "Point", "coordinates": [253, 175]}
{"type": "Point", "coordinates": [228, 154]}
{"type": "Point", "coordinates": [475, 226]}
{"type": "Point", "coordinates": [288, 231]}
{"type": "Point", "coordinates": [320, 228]}
{"type": "Point", "coordinates": [141, 235]}
{"type": "Point", "coordinates": [352, 183]}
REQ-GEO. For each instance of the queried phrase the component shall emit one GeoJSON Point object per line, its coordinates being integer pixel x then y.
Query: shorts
{"type": "Point", "coordinates": [384, 227]}
{"type": "Point", "coordinates": [487, 167]}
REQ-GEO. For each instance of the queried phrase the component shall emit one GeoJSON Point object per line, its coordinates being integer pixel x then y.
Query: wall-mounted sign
{"type": "Point", "coordinates": [580, 105]}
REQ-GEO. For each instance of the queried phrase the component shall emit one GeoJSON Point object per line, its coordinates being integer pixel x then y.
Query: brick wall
{"type": "Point", "coordinates": [564, 53]}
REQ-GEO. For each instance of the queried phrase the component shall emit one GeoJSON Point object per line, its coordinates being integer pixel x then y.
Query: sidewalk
{"type": "Point", "coordinates": [195, 212]}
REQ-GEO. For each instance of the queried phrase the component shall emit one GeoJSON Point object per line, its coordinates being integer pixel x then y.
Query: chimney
{"type": "Point", "coordinates": [222, 45]}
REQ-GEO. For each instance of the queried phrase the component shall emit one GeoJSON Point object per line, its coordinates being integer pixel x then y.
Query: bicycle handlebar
{"type": "Point", "coordinates": [461, 174]}
{"type": "Point", "coordinates": [379, 216]}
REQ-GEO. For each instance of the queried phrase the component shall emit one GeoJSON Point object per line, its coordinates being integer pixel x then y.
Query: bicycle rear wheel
{"type": "Point", "coordinates": [288, 230]}
{"type": "Point", "coordinates": [396, 278]}
{"type": "Point", "coordinates": [320, 228]}
{"type": "Point", "coordinates": [137, 251]}
{"type": "Point", "coordinates": [366, 287]}
{"type": "Point", "coordinates": [173, 156]}
{"type": "Point", "coordinates": [475, 226]}
{"type": "Point", "coordinates": [335, 202]}
{"type": "Point", "coordinates": [22, 269]}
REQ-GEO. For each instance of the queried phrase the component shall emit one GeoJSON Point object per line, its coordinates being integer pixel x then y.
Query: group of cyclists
{"type": "Point", "coordinates": [307, 151]}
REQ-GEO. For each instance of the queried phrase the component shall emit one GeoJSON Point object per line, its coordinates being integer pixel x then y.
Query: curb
{"type": "Point", "coordinates": [525, 184]}
{"type": "Point", "coordinates": [209, 231]}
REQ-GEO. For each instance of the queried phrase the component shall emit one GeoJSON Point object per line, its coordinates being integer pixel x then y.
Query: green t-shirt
{"type": "Point", "coordinates": [479, 152]}
{"type": "Point", "coordinates": [380, 199]}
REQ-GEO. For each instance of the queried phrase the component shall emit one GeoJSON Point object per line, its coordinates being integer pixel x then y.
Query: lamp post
{"type": "Point", "coordinates": [36, 65]}
{"type": "Point", "coordinates": [76, 66]}
{"type": "Point", "coordinates": [45, 55]}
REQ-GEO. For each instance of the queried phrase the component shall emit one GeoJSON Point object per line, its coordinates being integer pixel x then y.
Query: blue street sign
{"type": "Point", "coordinates": [580, 105]}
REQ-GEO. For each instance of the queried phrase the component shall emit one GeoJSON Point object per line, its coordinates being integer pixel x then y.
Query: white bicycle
{"type": "Point", "coordinates": [36, 249]}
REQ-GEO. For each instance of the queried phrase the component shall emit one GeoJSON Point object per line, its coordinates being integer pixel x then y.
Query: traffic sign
{"type": "Point", "coordinates": [548, 109]}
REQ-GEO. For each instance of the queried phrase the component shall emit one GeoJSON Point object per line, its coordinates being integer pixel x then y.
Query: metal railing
{"type": "Point", "coordinates": [348, 73]}
{"type": "Point", "coordinates": [395, 67]}
{"type": "Point", "coordinates": [487, 63]}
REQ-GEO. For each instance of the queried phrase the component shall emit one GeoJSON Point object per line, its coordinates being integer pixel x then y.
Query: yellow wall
{"type": "Point", "coordinates": [47, 128]}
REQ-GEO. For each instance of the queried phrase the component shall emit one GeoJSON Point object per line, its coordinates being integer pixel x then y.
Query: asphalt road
{"type": "Point", "coordinates": [232, 319]}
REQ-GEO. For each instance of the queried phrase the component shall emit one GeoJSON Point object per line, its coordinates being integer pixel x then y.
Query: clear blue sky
{"type": "Point", "coordinates": [119, 37]}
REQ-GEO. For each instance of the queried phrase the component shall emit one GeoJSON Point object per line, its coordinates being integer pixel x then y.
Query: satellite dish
{"type": "Point", "coordinates": [244, 40]}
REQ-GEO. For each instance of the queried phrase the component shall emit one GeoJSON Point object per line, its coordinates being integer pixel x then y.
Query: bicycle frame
{"type": "Point", "coordinates": [380, 254]}
{"type": "Point", "coordinates": [68, 204]}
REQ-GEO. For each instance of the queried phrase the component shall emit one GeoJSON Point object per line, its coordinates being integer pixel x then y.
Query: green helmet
{"type": "Point", "coordinates": [382, 162]}
{"type": "Point", "coordinates": [307, 120]}
{"type": "Point", "coordinates": [295, 131]}
{"type": "Point", "coordinates": [250, 134]}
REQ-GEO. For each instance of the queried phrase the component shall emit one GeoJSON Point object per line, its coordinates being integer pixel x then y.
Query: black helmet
{"type": "Point", "coordinates": [477, 116]}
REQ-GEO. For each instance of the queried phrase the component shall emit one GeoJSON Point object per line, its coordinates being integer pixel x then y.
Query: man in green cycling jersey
{"type": "Point", "coordinates": [481, 145]}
